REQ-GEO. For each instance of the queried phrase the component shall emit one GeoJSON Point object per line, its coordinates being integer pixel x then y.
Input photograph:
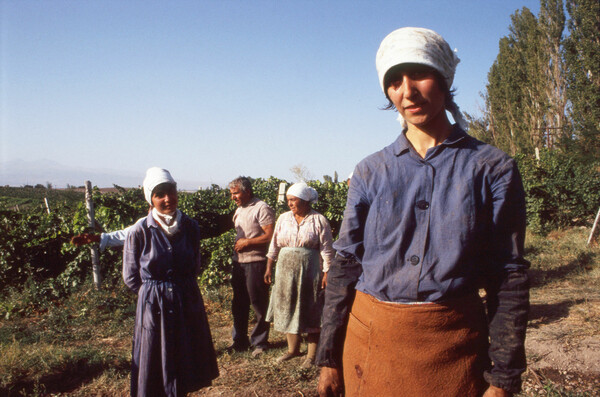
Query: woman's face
{"type": "Point", "coordinates": [415, 92]}
{"type": "Point", "coordinates": [164, 198]}
{"type": "Point", "coordinates": [297, 205]}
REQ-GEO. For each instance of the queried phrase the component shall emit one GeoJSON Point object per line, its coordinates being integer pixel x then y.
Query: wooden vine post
{"type": "Point", "coordinates": [594, 227]}
{"type": "Point", "coordinates": [89, 204]}
{"type": "Point", "coordinates": [281, 193]}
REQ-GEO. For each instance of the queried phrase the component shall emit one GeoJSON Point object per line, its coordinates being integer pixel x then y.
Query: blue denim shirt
{"type": "Point", "coordinates": [429, 229]}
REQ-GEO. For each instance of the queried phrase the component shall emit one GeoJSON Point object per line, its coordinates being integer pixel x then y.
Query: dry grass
{"type": "Point", "coordinates": [82, 347]}
{"type": "Point", "coordinates": [565, 275]}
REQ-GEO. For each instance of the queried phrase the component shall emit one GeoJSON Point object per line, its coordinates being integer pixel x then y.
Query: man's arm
{"type": "Point", "coordinates": [262, 240]}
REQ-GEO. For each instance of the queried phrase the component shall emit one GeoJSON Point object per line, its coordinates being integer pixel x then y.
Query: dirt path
{"type": "Point", "coordinates": [563, 342]}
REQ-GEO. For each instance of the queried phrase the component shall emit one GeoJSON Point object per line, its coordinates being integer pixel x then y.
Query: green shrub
{"type": "Point", "coordinates": [560, 190]}
{"type": "Point", "coordinates": [35, 246]}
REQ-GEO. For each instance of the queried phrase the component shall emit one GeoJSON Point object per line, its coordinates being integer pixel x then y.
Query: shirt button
{"type": "Point", "coordinates": [422, 204]}
{"type": "Point", "coordinates": [414, 260]}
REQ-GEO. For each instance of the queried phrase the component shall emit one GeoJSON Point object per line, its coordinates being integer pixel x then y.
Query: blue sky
{"type": "Point", "coordinates": [215, 89]}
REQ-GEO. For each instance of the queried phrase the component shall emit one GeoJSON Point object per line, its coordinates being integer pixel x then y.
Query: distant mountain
{"type": "Point", "coordinates": [21, 173]}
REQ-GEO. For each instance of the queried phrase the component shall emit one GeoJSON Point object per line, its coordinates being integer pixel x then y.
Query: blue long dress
{"type": "Point", "coordinates": [172, 350]}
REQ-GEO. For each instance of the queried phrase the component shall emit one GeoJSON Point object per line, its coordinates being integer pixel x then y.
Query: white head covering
{"type": "Point", "coordinates": [304, 192]}
{"type": "Point", "coordinates": [154, 177]}
{"type": "Point", "coordinates": [420, 46]}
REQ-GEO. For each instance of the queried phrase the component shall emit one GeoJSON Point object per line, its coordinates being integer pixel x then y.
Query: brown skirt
{"type": "Point", "coordinates": [437, 349]}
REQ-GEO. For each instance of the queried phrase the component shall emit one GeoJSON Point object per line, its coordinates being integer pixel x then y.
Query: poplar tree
{"type": "Point", "coordinates": [552, 26]}
{"type": "Point", "coordinates": [513, 102]}
{"type": "Point", "coordinates": [525, 98]}
{"type": "Point", "coordinates": [582, 56]}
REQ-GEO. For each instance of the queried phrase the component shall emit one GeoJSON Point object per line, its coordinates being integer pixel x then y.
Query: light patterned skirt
{"type": "Point", "coordinates": [296, 300]}
{"type": "Point", "coordinates": [420, 350]}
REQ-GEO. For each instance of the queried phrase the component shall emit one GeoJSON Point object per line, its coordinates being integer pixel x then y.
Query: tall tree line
{"type": "Point", "coordinates": [543, 89]}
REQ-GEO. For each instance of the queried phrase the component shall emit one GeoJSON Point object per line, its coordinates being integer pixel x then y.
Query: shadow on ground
{"type": "Point", "coordinates": [74, 376]}
{"type": "Point", "coordinates": [541, 277]}
{"type": "Point", "coordinates": [543, 314]}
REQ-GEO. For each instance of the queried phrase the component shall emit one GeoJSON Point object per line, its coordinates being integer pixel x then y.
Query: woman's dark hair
{"type": "Point", "coordinates": [449, 94]}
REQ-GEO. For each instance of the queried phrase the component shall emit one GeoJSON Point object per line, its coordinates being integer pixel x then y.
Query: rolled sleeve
{"type": "Point", "coordinates": [274, 247]}
{"type": "Point", "coordinates": [113, 239]}
{"type": "Point", "coordinates": [326, 243]}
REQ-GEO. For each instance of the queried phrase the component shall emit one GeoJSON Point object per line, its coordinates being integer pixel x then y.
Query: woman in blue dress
{"type": "Point", "coordinates": [172, 352]}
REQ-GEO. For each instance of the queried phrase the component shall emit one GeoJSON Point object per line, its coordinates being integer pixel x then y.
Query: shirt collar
{"type": "Point", "coordinates": [402, 144]}
{"type": "Point", "coordinates": [253, 200]}
{"type": "Point", "coordinates": [455, 136]}
{"type": "Point", "coordinates": [150, 221]}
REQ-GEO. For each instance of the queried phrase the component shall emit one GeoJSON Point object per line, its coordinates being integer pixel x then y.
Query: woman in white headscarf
{"type": "Point", "coordinates": [302, 248]}
{"type": "Point", "coordinates": [172, 350]}
{"type": "Point", "coordinates": [430, 220]}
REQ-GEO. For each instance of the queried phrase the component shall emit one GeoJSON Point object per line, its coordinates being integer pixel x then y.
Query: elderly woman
{"type": "Point", "coordinates": [429, 220]}
{"type": "Point", "coordinates": [172, 351]}
{"type": "Point", "coordinates": [301, 238]}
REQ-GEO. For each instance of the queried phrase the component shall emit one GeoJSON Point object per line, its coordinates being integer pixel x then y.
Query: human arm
{"type": "Point", "coordinates": [325, 242]}
{"type": "Point", "coordinates": [112, 239]}
{"type": "Point", "coordinates": [339, 295]}
{"type": "Point", "coordinates": [342, 276]}
{"type": "Point", "coordinates": [507, 283]}
{"type": "Point", "coordinates": [262, 240]}
{"type": "Point", "coordinates": [272, 254]}
{"type": "Point", "coordinates": [326, 248]}
{"type": "Point", "coordinates": [269, 271]}
{"type": "Point", "coordinates": [330, 382]}
{"type": "Point", "coordinates": [85, 238]}
{"type": "Point", "coordinates": [493, 391]}
{"type": "Point", "coordinates": [131, 261]}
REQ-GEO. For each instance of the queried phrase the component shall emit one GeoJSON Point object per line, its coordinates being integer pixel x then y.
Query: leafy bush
{"type": "Point", "coordinates": [561, 191]}
{"type": "Point", "coordinates": [35, 249]}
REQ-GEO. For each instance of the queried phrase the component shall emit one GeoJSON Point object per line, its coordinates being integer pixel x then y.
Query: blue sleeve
{"type": "Point", "coordinates": [351, 237]}
{"type": "Point", "coordinates": [131, 259]}
{"type": "Point", "coordinates": [507, 282]}
{"type": "Point", "coordinates": [508, 220]}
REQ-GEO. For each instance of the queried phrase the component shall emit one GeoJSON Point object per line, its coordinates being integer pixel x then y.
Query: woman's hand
{"type": "Point", "coordinates": [268, 276]}
{"type": "Point", "coordinates": [494, 391]}
{"type": "Point", "coordinates": [269, 271]}
{"type": "Point", "coordinates": [85, 238]}
{"type": "Point", "coordinates": [324, 281]}
{"type": "Point", "coordinates": [330, 383]}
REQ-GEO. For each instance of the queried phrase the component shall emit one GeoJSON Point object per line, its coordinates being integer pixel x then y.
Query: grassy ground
{"type": "Point", "coordinates": [81, 346]}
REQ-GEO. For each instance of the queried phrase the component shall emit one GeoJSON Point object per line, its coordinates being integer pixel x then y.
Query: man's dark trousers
{"type": "Point", "coordinates": [249, 288]}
